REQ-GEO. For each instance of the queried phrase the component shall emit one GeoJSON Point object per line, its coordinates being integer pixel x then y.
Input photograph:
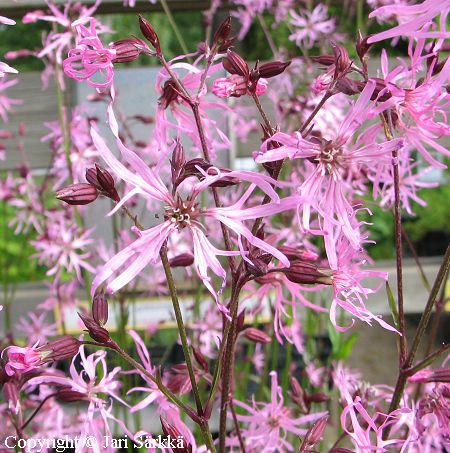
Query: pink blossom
{"type": "Point", "coordinates": [90, 57]}
{"type": "Point", "coordinates": [6, 103]}
{"type": "Point", "coordinates": [180, 213]}
{"type": "Point", "coordinates": [22, 359]}
{"type": "Point", "coordinates": [236, 86]}
{"type": "Point", "coordinates": [310, 27]}
{"type": "Point", "coordinates": [413, 19]}
{"type": "Point", "coordinates": [268, 424]}
{"type": "Point", "coordinates": [36, 327]}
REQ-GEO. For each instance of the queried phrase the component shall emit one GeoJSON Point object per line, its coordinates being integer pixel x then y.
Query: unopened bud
{"type": "Point", "coordinates": [256, 335]}
{"type": "Point", "coordinates": [240, 321]}
{"type": "Point", "coordinates": [182, 260]}
{"type": "Point", "coordinates": [169, 94]}
{"type": "Point", "coordinates": [307, 273]}
{"type": "Point", "coordinates": [11, 396]}
{"type": "Point", "coordinates": [62, 348]}
{"type": "Point", "coordinates": [272, 69]}
{"type": "Point", "coordinates": [129, 49]}
{"type": "Point", "coordinates": [362, 46]}
{"type": "Point", "coordinates": [318, 397]}
{"type": "Point", "coordinates": [294, 253]}
{"type": "Point", "coordinates": [100, 309]}
{"type": "Point", "coordinates": [67, 395]}
{"type": "Point", "coordinates": [96, 332]}
{"type": "Point", "coordinates": [235, 64]}
{"type": "Point", "coordinates": [200, 359]}
{"type": "Point", "coordinates": [149, 32]}
{"type": "Point", "coordinates": [222, 32]}
{"type": "Point", "coordinates": [314, 434]}
{"type": "Point", "coordinates": [103, 181]}
{"type": "Point", "coordinates": [77, 194]}
{"type": "Point", "coordinates": [425, 376]}
{"type": "Point", "coordinates": [172, 432]}
{"type": "Point", "coordinates": [177, 163]}
{"type": "Point", "coordinates": [342, 60]}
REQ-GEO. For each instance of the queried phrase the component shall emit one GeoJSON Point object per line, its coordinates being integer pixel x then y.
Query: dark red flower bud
{"type": "Point", "coordinates": [272, 69]}
{"type": "Point", "coordinates": [307, 273]}
{"type": "Point", "coordinates": [100, 309]}
{"type": "Point", "coordinates": [177, 163]}
{"type": "Point", "coordinates": [129, 49]}
{"type": "Point", "coordinates": [362, 46]}
{"type": "Point", "coordinates": [96, 332]}
{"type": "Point", "coordinates": [149, 32]}
{"type": "Point", "coordinates": [256, 335]}
{"type": "Point", "coordinates": [318, 397]}
{"type": "Point", "coordinates": [235, 64]}
{"type": "Point", "coordinates": [77, 194]}
{"type": "Point", "coordinates": [226, 44]}
{"type": "Point", "coordinates": [302, 254]}
{"type": "Point", "coordinates": [298, 395]}
{"type": "Point", "coordinates": [258, 266]}
{"type": "Point", "coordinates": [200, 359]}
{"type": "Point", "coordinates": [182, 260]}
{"type": "Point", "coordinates": [342, 60]}
{"type": "Point", "coordinates": [67, 395]}
{"type": "Point", "coordinates": [63, 348]}
{"type": "Point", "coordinates": [103, 181]}
{"type": "Point", "coordinates": [172, 432]}
{"type": "Point", "coordinates": [223, 32]}
{"type": "Point", "coordinates": [170, 94]}
{"type": "Point", "coordinates": [314, 434]}
{"type": "Point", "coordinates": [240, 321]}
{"type": "Point", "coordinates": [324, 60]}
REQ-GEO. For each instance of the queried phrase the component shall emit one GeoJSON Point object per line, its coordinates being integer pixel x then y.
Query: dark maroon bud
{"type": "Point", "coordinates": [240, 321]}
{"type": "Point", "coordinates": [77, 194]}
{"type": "Point", "coordinates": [272, 69]}
{"type": "Point", "coordinates": [318, 397]}
{"type": "Point", "coordinates": [11, 396]}
{"type": "Point", "coordinates": [103, 181]}
{"type": "Point", "coordinates": [314, 434]}
{"type": "Point", "coordinates": [307, 273]}
{"type": "Point", "coordinates": [67, 395]}
{"type": "Point", "coordinates": [170, 94]}
{"type": "Point", "coordinates": [298, 395]}
{"type": "Point", "coordinates": [129, 49]}
{"type": "Point", "coordinates": [226, 44]}
{"type": "Point", "coordinates": [172, 433]}
{"type": "Point", "coordinates": [182, 260]}
{"type": "Point", "coordinates": [100, 309]}
{"type": "Point", "coordinates": [235, 64]}
{"type": "Point", "coordinates": [177, 163]}
{"type": "Point", "coordinates": [302, 254]}
{"type": "Point", "coordinates": [342, 60]}
{"type": "Point", "coordinates": [223, 32]}
{"type": "Point", "coordinates": [60, 349]}
{"type": "Point", "coordinates": [324, 60]}
{"type": "Point", "coordinates": [256, 335]}
{"type": "Point", "coordinates": [149, 32]}
{"type": "Point", "coordinates": [96, 332]}
{"type": "Point", "coordinates": [347, 86]}
{"type": "Point", "coordinates": [200, 359]}
{"type": "Point", "coordinates": [362, 46]}
{"type": "Point", "coordinates": [258, 267]}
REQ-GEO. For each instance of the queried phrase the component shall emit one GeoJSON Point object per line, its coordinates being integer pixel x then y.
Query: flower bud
{"type": "Point", "coordinates": [342, 60]}
{"type": "Point", "coordinates": [235, 64]}
{"type": "Point", "coordinates": [62, 348]}
{"type": "Point", "coordinates": [177, 163]}
{"type": "Point", "coordinates": [182, 260]}
{"type": "Point", "coordinates": [318, 397]}
{"type": "Point", "coordinates": [240, 321]}
{"type": "Point", "coordinates": [324, 60]}
{"type": "Point", "coordinates": [129, 49]}
{"type": "Point", "coordinates": [307, 273]}
{"type": "Point", "coordinates": [271, 69]}
{"type": "Point", "coordinates": [77, 194]}
{"type": "Point", "coordinates": [103, 181]}
{"type": "Point", "coordinates": [96, 332]}
{"type": "Point", "coordinates": [425, 376]}
{"type": "Point", "coordinates": [149, 32]}
{"type": "Point", "coordinates": [11, 396]}
{"type": "Point", "coordinates": [67, 395]}
{"type": "Point", "coordinates": [362, 46]}
{"type": "Point", "coordinates": [200, 359]}
{"type": "Point", "coordinates": [172, 432]}
{"type": "Point", "coordinates": [314, 434]}
{"type": "Point", "coordinates": [222, 32]}
{"type": "Point", "coordinates": [169, 94]}
{"type": "Point", "coordinates": [100, 309]}
{"type": "Point", "coordinates": [256, 335]}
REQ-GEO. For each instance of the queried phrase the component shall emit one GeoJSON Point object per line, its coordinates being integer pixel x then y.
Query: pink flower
{"type": "Point", "coordinates": [236, 86]}
{"type": "Point", "coordinates": [6, 103]}
{"type": "Point", "coordinates": [90, 57]}
{"type": "Point", "coordinates": [4, 20]}
{"type": "Point", "coordinates": [311, 26]}
{"type": "Point", "coordinates": [22, 359]}
{"type": "Point", "coordinates": [36, 327]}
{"type": "Point", "coordinates": [182, 213]}
{"type": "Point", "coordinates": [268, 424]}
{"type": "Point", "coordinates": [414, 19]}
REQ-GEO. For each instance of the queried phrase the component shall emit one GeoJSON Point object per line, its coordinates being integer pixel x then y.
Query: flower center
{"type": "Point", "coordinates": [183, 213]}
{"type": "Point", "coordinates": [330, 158]}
